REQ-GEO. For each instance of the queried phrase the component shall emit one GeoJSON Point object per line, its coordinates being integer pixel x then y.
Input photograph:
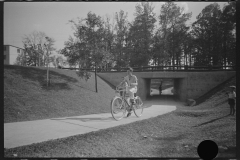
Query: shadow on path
{"type": "Point", "coordinates": [96, 119]}
{"type": "Point", "coordinates": [162, 100]}
{"type": "Point", "coordinates": [107, 119]}
{"type": "Point", "coordinates": [211, 121]}
{"type": "Point", "coordinates": [73, 123]}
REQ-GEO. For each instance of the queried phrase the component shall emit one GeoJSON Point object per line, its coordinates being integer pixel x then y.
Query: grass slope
{"type": "Point", "coordinates": [176, 134]}
{"type": "Point", "coordinates": [221, 87]}
{"type": "Point", "coordinates": [26, 96]}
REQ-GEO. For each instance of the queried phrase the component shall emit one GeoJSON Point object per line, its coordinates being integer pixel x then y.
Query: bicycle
{"type": "Point", "coordinates": [119, 105]}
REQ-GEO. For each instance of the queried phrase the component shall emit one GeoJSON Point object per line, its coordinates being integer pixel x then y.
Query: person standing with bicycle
{"type": "Point", "coordinates": [132, 82]}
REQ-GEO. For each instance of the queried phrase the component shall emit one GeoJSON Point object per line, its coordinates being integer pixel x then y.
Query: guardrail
{"type": "Point", "coordinates": [185, 68]}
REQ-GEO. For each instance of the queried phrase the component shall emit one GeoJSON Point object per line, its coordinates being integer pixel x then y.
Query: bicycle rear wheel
{"type": "Point", "coordinates": [118, 109]}
{"type": "Point", "coordinates": [138, 107]}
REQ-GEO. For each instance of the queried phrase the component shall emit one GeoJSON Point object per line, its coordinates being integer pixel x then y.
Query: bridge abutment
{"type": "Point", "coordinates": [144, 87]}
{"type": "Point", "coordinates": [187, 85]}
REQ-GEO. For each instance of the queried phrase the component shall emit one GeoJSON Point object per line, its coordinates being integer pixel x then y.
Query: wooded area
{"type": "Point", "coordinates": [150, 39]}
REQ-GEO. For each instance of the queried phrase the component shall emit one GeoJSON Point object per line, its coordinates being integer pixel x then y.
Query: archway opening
{"type": "Point", "coordinates": [162, 87]}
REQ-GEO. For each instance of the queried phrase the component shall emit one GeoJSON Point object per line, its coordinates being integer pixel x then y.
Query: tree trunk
{"type": "Point", "coordinates": [96, 77]}
{"type": "Point", "coordinates": [173, 55]}
{"type": "Point", "coordinates": [225, 50]}
{"type": "Point", "coordinates": [190, 59]}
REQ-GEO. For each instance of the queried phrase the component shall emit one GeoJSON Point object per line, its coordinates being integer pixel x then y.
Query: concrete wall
{"type": "Point", "coordinates": [200, 83]}
{"type": "Point", "coordinates": [180, 87]}
{"type": "Point", "coordinates": [186, 84]}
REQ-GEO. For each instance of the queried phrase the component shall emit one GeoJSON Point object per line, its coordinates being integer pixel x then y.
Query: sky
{"type": "Point", "coordinates": [52, 18]}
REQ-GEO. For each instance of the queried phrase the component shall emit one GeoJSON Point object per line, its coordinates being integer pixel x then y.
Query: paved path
{"type": "Point", "coordinates": [167, 91]}
{"type": "Point", "coordinates": [29, 132]}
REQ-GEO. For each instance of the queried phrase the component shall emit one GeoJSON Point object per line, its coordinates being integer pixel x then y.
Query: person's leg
{"type": "Point", "coordinates": [131, 95]}
{"type": "Point", "coordinates": [130, 102]}
{"type": "Point", "coordinates": [132, 91]}
{"type": "Point", "coordinates": [231, 109]}
{"type": "Point", "coordinates": [230, 105]}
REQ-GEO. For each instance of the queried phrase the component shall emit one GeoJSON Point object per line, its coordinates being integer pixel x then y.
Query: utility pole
{"type": "Point", "coordinates": [95, 63]}
{"type": "Point", "coordinates": [38, 59]}
{"type": "Point", "coordinates": [25, 51]}
{"type": "Point", "coordinates": [47, 61]}
{"type": "Point", "coordinates": [96, 77]}
{"type": "Point", "coordinates": [47, 69]}
{"type": "Point", "coordinates": [39, 45]}
{"type": "Point", "coordinates": [37, 51]}
{"type": "Point", "coordinates": [36, 48]}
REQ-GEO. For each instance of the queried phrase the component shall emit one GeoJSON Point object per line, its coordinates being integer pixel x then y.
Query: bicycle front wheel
{"type": "Point", "coordinates": [118, 109]}
{"type": "Point", "coordinates": [138, 107]}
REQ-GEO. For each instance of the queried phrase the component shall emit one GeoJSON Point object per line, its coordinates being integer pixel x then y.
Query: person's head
{"type": "Point", "coordinates": [129, 71]}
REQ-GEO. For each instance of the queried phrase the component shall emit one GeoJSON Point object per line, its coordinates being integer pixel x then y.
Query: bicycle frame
{"type": "Point", "coordinates": [129, 107]}
{"type": "Point", "coordinates": [123, 97]}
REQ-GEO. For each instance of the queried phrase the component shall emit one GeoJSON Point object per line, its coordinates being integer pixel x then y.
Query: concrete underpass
{"type": "Point", "coordinates": [161, 87]}
{"type": "Point", "coordinates": [170, 88]}
{"type": "Point", "coordinates": [186, 85]}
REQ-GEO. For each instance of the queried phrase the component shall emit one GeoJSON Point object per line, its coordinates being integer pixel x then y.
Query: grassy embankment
{"type": "Point", "coordinates": [26, 96]}
{"type": "Point", "coordinates": [176, 134]}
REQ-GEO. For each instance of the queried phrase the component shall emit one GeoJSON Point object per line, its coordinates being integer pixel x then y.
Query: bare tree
{"type": "Point", "coordinates": [37, 47]}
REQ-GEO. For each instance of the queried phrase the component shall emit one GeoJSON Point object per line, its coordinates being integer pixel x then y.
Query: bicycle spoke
{"type": "Point", "coordinates": [138, 107]}
{"type": "Point", "coordinates": [117, 108]}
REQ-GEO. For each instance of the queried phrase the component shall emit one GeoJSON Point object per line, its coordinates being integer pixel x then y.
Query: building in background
{"type": "Point", "coordinates": [11, 53]}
